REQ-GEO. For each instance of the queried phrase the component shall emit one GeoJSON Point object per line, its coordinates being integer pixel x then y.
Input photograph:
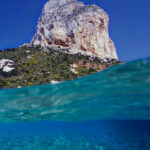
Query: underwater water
{"type": "Point", "coordinates": [79, 114]}
{"type": "Point", "coordinates": [91, 135]}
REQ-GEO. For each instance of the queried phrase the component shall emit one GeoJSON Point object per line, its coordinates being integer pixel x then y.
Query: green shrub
{"type": "Point", "coordinates": [33, 67]}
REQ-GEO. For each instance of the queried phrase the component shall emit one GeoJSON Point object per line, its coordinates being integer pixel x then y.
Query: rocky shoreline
{"type": "Point", "coordinates": [71, 41]}
{"type": "Point", "coordinates": [26, 66]}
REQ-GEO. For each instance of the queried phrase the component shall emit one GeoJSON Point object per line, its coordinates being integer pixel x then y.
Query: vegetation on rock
{"type": "Point", "coordinates": [34, 66]}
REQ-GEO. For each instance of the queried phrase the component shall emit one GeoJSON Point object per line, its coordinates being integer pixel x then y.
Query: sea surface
{"type": "Point", "coordinates": [109, 110]}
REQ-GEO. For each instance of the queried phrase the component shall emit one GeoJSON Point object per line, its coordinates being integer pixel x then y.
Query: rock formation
{"type": "Point", "coordinates": [78, 27]}
{"type": "Point", "coordinates": [6, 65]}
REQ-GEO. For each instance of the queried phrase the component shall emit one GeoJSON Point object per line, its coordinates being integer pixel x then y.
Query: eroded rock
{"type": "Point", "coordinates": [6, 65]}
{"type": "Point", "coordinates": [80, 28]}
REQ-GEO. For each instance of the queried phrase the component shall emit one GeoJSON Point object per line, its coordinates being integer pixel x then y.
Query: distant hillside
{"type": "Point", "coordinates": [26, 66]}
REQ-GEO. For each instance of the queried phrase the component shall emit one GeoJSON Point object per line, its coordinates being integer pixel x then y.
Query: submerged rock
{"type": "Point", "coordinates": [78, 27]}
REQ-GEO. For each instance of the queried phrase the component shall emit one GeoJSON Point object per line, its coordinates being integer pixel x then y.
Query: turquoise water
{"type": "Point", "coordinates": [79, 114]}
{"type": "Point", "coordinates": [122, 92]}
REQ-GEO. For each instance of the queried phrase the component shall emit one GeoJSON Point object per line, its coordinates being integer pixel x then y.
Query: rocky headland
{"type": "Point", "coordinates": [75, 26]}
{"type": "Point", "coordinates": [71, 41]}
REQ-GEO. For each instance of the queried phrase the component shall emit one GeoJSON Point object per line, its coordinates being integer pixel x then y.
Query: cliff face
{"type": "Point", "coordinates": [78, 27]}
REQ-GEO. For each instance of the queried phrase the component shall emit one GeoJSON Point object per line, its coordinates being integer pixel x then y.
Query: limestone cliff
{"type": "Point", "coordinates": [78, 27]}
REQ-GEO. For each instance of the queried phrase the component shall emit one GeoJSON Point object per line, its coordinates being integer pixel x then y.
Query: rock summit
{"type": "Point", "coordinates": [79, 28]}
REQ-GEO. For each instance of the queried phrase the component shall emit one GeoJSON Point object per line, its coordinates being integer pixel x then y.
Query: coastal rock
{"type": "Point", "coordinates": [27, 66]}
{"type": "Point", "coordinates": [78, 27]}
{"type": "Point", "coordinates": [54, 82]}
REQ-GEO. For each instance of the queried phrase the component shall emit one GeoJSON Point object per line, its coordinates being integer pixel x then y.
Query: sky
{"type": "Point", "coordinates": [129, 24]}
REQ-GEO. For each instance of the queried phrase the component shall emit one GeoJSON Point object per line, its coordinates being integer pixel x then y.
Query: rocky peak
{"type": "Point", "coordinates": [60, 2]}
{"type": "Point", "coordinates": [79, 28]}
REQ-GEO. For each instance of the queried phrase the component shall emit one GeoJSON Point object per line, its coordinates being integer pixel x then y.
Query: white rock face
{"type": "Point", "coordinates": [73, 68]}
{"type": "Point", "coordinates": [7, 69]}
{"type": "Point", "coordinates": [54, 82]}
{"type": "Point", "coordinates": [70, 23]}
{"type": "Point", "coordinates": [6, 65]}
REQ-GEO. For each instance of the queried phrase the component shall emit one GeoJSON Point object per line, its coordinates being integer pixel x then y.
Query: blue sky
{"type": "Point", "coordinates": [129, 24]}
